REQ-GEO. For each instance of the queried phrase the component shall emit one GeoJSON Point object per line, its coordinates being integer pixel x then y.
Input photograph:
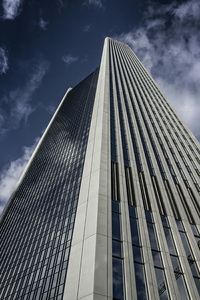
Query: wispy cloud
{"type": "Point", "coordinates": [11, 9]}
{"type": "Point", "coordinates": [95, 3]}
{"type": "Point", "coordinates": [3, 61]}
{"type": "Point", "coordinates": [18, 101]}
{"type": "Point", "coordinates": [168, 44]}
{"type": "Point", "coordinates": [43, 24]}
{"type": "Point", "coordinates": [87, 28]}
{"type": "Point", "coordinates": [11, 174]}
{"type": "Point", "coordinates": [69, 59]}
{"type": "Point", "coordinates": [187, 10]}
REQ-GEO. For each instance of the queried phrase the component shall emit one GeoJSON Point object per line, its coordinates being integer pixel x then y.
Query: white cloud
{"type": "Point", "coordinates": [11, 174]}
{"type": "Point", "coordinates": [96, 3]}
{"type": "Point", "coordinates": [3, 61]}
{"type": "Point", "coordinates": [69, 59]}
{"type": "Point", "coordinates": [168, 44]}
{"type": "Point", "coordinates": [43, 24]}
{"type": "Point", "coordinates": [11, 8]}
{"type": "Point", "coordinates": [18, 100]}
{"type": "Point", "coordinates": [190, 9]}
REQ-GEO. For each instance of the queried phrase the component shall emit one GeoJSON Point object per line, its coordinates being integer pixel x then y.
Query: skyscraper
{"type": "Point", "coordinates": [109, 204]}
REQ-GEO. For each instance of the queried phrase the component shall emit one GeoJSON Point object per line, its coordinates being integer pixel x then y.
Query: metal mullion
{"type": "Point", "coordinates": [160, 228]}
{"type": "Point", "coordinates": [196, 194]}
{"type": "Point", "coordinates": [172, 132]}
{"type": "Point", "coordinates": [169, 109]}
{"type": "Point", "coordinates": [145, 237]}
{"type": "Point", "coordinates": [167, 106]}
{"type": "Point", "coordinates": [169, 154]}
{"type": "Point", "coordinates": [123, 195]}
{"type": "Point", "coordinates": [136, 180]}
{"type": "Point", "coordinates": [182, 211]}
{"type": "Point", "coordinates": [158, 127]}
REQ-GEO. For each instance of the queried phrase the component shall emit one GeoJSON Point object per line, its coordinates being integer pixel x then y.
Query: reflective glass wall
{"type": "Point", "coordinates": [37, 227]}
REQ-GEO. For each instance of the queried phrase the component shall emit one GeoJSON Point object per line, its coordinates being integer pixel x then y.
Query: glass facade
{"type": "Point", "coordinates": [138, 236]}
{"type": "Point", "coordinates": [37, 228]}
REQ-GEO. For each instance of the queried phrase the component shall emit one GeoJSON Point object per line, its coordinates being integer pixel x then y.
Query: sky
{"type": "Point", "coordinates": [48, 46]}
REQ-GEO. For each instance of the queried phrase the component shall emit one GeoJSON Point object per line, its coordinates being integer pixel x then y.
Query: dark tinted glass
{"type": "Point", "coordinates": [116, 226]}
{"type": "Point", "coordinates": [116, 248]}
{"type": "Point", "coordinates": [170, 241]}
{"type": "Point", "coordinates": [152, 236]}
{"type": "Point", "coordinates": [140, 281]}
{"type": "Point", "coordinates": [157, 259]}
{"type": "Point", "coordinates": [182, 288]}
{"type": "Point", "coordinates": [134, 231]}
{"type": "Point", "coordinates": [137, 255]}
{"type": "Point", "coordinates": [118, 293]}
{"type": "Point", "coordinates": [185, 243]}
{"type": "Point", "coordinates": [160, 277]}
{"type": "Point", "coordinates": [37, 227]}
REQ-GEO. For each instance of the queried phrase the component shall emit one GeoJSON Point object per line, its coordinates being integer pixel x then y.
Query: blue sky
{"type": "Point", "coordinates": [48, 46]}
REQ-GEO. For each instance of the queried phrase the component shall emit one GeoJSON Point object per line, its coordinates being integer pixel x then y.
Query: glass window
{"type": "Point", "coordinates": [116, 248]}
{"type": "Point", "coordinates": [157, 259]}
{"type": "Point", "coordinates": [140, 281]}
{"type": "Point", "coordinates": [149, 216]}
{"type": "Point", "coordinates": [170, 241]}
{"type": "Point", "coordinates": [194, 229]}
{"type": "Point", "coordinates": [118, 293]}
{"type": "Point", "coordinates": [185, 243]}
{"type": "Point", "coordinates": [132, 212]}
{"type": "Point", "coordinates": [164, 221]}
{"type": "Point", "coordinates": [182, 288]}
{"type": "Point", "coordinates": [152, 236]}
{"type": "Point", "coordinates": [162, 285]}
{"type": "Point", "coordinates": [115, 207]}
{"type": "Point", "coordinates": [115, 226]}
{"type": "Point", "coordinates": [176, 263]}
{"type": "Point", "coordinates": [137, 255]}
{"type": "Point", "coordinates": [197, 282]}
{"type": "Point", "coordinates": [134, 231]}
{"type": "Point", "coordinates": [194, 269]}
{"type": "Point", "coordinates": [52, 293]}
{"type": "Point", "coordinates": [61, 288]}
{"type": "Point", "coordinates": [180, 225]}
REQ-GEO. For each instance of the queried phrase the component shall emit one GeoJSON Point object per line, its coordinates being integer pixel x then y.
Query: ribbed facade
{"type": "Point", "coordinates": [155, 176]}
{"type": "Point", "coordinates": [109, 205]}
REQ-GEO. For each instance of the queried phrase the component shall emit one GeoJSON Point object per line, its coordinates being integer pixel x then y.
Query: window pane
{"type": "Point", "coordinates": [170, 241]}
{"type": "Point", "coordinates": [115, 226]}
{"type": "Point", "coordinates": [134, 231]}
{"type": "Point", "coordinates": [194, 270]}
{"type": "Point", "coordinates": [152, 236]}
{"type": "Point", "coordinates": [149, 217]}
{"type": "Point", "coordinates": [182, 288]}
{"type": "Point", "coordinates": [179, 225]}
{"type": "Point", "coordinates": [115, 206]}
{"type": "Point", "coordinates": [157, 259]}
{"type": "Point", "coordinates": [132, 212]}
{"type": "Point", "coordinates": [176, 264]}
{"type": "Point", "coordinates": [194, 229]}
{"type": "Point", "coordinates": [116, 248]}
{"type": "Point", "coordinates": [137, 255]}
{"type": "Point", "coordinates": [117, 279]}
{"type": "Point", "coordinates": [165, 221]}
{"type": "Point", "coordinates": [197, 282]}
{"type": "Point", "coordinates": [185, 243]}
{"type": "Point", "coordinates": [140, 281]}
{"type": "Point", "coordinates": [162, 286]}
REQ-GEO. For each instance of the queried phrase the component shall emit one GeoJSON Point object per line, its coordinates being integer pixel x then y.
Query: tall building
{"type": "Point", "coordinates": [109, 204]}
